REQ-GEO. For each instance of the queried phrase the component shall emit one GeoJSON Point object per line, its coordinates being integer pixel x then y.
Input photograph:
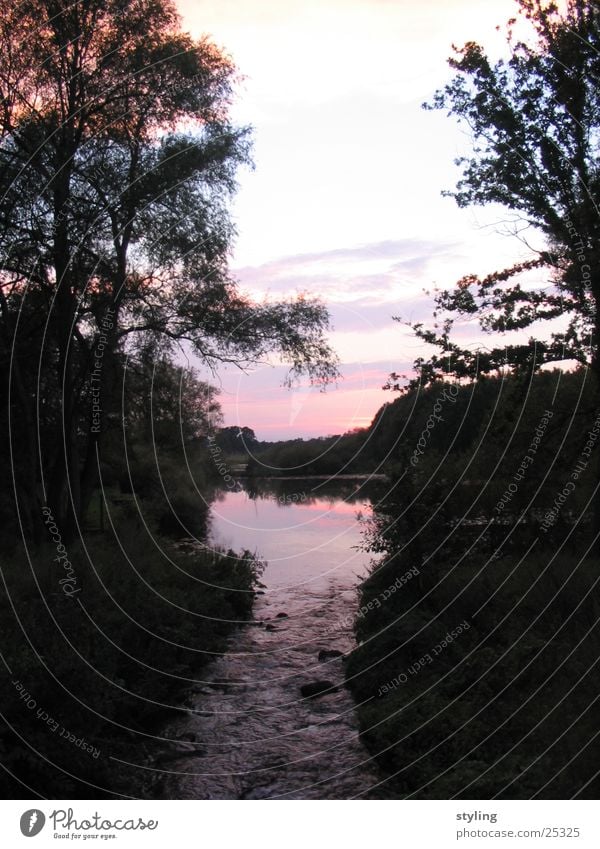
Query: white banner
{"type": "Point", "coordinates": [301, 824]}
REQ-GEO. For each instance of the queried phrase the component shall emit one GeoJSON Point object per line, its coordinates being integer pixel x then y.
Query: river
{"type": "Point", "coordinates": [249, 733]}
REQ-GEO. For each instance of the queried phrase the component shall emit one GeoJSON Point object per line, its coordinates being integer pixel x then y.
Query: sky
{"type": "Point", "coordinates": [345, 200]}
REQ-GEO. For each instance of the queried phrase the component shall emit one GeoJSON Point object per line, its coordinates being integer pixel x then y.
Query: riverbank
{"type": "Point", "coordinates": [271, 718]}
{"type": "Point", "coordinates": [464, 675]}
{"type": "Point", "coordinates": [97, 660]}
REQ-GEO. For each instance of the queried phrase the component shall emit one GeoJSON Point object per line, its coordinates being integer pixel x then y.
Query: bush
{"type": "Point", "coordinates": [109, 658]}
{"type": "Point", "coordinates": [505, 708]}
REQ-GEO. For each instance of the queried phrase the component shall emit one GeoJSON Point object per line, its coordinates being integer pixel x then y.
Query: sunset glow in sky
{"type": "Point", "coordinates": [345, 200]}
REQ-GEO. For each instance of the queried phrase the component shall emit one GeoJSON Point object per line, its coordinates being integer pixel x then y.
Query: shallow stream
{"type": "Point", "coordinates": [250, 733]}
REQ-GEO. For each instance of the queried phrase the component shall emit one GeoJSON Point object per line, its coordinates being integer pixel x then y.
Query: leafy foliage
{"type": "Point", "coordinates": [504, 709]}
{"type": "Point", "coordinates": [535, 125]}
{"type": "Point", "coordinates": [118, 159]}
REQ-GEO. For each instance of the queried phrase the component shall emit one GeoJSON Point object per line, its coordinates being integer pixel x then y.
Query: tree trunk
{"type": "Point", "coordinates": [106, 379]}
{"type": "Point", "coordinates": [26, 486]}
{"type": "Point", "coordinates": [64, 484]}
{"type": "Point", "coordinates": [596, 376]}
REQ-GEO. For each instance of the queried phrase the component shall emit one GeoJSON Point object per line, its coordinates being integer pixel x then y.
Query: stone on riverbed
{"type": "Point", "coordinates": [329, 654]}
{"type": "Point", "coordinates": [318, 688]}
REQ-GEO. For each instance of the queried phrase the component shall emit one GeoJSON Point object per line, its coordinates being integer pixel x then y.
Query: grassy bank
{"type": "Point", "coordinates": [476, 673]}
{"type": "Point", "coordinates": [99, 646]}
{"type": "Point", "coordinates": [481, 680]}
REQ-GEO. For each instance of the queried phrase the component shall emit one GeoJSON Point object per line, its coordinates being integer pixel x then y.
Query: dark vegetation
{"type": "Point", "coordinates": [476, 504]}
{"type": "Point", "coordinates": [533, 120]}
{"type": "Point", "coordinates": [476, 676]}
{"type": "Point", "coordinates": [104, 635]}
{"type": "Point", "coordinates": [386, 446]}
{"type": "Point", "coordinates": [117, 162]}
{"type": "Point", "coordinates": [109, 663]}
{"type": "Point", "coordinates": [155, 454]}
{"type": "Point", "coordinates": [325, 455]}
{"type": "Point", "coordinates": [486, 715]}
{"type": "Point", "coordinates": [118, 159]}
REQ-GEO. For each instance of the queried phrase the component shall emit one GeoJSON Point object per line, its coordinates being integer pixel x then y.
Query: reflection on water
{"type": "Point", "coordinates": [250, 734]}
{"type": "Point", "coordinates": [304, 534]}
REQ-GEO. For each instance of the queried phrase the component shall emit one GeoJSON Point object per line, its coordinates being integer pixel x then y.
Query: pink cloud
{"type": "Point", "coordinates": [259, 401]}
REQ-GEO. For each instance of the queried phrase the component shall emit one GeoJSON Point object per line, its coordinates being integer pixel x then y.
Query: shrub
{"type": "Point", "coordinates": [110, 661]}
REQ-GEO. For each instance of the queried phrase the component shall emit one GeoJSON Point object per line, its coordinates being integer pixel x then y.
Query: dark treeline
{"type": "Point", "coordinates": [478, 625]}
{"type": "Point", "coordinates": [115, 232]}
{"type": "Point", "coordinates": [444, 419]}
{"type": "Point", "coordinates": [478, 629]}
{"type": "Point", "coordinates": [502, 447]}
{"type": "Point", "coordinates": [475, 674]}
{"type": "Point", "coordinates": [324, 455]}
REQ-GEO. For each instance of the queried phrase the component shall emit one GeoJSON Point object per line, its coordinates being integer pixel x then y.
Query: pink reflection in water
{"type": "Point", "coordinates": [303, 543]}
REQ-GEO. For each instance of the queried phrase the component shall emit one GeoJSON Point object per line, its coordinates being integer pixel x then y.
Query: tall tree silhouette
{"type": "Point", "coordinates": [534, 120]}
{"type": "Point", "coordinates": [117, 160]}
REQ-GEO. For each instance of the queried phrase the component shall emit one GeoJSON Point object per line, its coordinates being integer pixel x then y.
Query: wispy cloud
{"type": "Point", "coordinates": [384, 272]}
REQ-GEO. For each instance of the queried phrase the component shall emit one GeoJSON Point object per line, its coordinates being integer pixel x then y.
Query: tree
{"type": "Point", "coordinates": [236, 440]}
{"type": "Point", "coordinates": [156, 448]}
{"type": "Point", "coordinates": [164, 405]}
{"type": "Point", "coordinates": [117, 159]}
{"type": "Point", "coordinates": [535, 121]}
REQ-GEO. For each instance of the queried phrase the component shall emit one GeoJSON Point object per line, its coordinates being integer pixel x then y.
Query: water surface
{"type": "Point", "coordinates": [250, 734]}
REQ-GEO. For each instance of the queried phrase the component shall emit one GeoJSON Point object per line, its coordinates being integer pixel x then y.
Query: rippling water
{"type": "Point", "coordinates": [250, 734]}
